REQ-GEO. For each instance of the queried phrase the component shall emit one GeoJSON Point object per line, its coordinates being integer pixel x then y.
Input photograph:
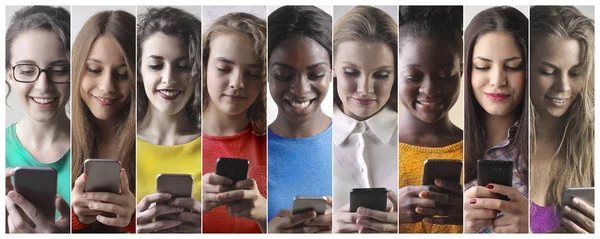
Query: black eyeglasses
{"type": "Point", "coordinates": [28, 73]}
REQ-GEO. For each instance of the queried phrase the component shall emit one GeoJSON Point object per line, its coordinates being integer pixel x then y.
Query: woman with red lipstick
{"type": "Point", "coordinates": [365, 116]}
{"type": "Point", "coordinates": [37, 66]}
{"type": "Point", "coordinates": [299, 77]}
{"type": "Point", "coordinates": [234, 123]}
{"type": "Point", "coordinates": [104, 119]}
{"type": "Point", "coordinates": [429, 85]}
{"type": "Point", "coordinates": [168, 139]}
{"type": "Point", "coordinates": [562, 117]}
{"type": "Point", "coordinates": [496, 126]}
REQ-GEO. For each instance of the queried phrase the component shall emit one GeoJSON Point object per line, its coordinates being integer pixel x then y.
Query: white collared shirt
{"type": "Point", "coordinates": [365, 153]}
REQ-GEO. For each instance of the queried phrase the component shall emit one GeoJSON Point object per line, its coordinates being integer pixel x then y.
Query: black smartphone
{"type": "Point", "coordinates": [445, 169]}
{"type": "Point", "coordinates": [495, 171]}
{"type": "Point", "coordinates": [233, 168]}
{"type": "Point", "coordinates": [103, 175]}
{"type": "Point", "coordinates": [38, 186]}
{"type": "Point", "coordinates": [372, 198]}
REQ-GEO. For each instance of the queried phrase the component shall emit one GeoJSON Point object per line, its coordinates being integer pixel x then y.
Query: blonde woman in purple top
{"type": "Point", "coordinates": [562, 117]}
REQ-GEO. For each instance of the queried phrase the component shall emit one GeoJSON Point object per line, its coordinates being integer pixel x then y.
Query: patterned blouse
{"type": "Point", "coordinates": [507, 151]}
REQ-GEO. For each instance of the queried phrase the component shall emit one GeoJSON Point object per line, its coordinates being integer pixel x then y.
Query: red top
{"type": "Point", "coordinates": [244, 145]}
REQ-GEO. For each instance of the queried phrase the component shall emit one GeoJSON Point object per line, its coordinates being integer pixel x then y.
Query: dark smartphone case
{"type": "Point", "coordinates": [233, 168]}
{"type": "Point", "coordinates": [495, 171]}
{"type": "Point", "coordinates": [372, 198]}
{"type": "Point", "coordinates": [448, 170]}
{"type": "Point", "coordinates": [38, 186]}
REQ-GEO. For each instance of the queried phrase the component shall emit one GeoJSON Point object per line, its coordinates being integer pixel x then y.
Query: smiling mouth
{"type": "Point", "coordinates": [169, 94]}
{"type": "Point", "coordinates": [43, 101]}
{"type": "Point", "coordinates": [105, 101]}
{"type": "Point", "coordinates": [498, 97]}
{"type": "Point", "coordinates": [430, 104]}
{"type": "Point", "coordinates": [557, 101]}
{"type": "Point", "coordinates": [363, 101]}
{"type": "Point", "coordinates": [300, 104]}
{"type": "Point", "coordinates": [234, 97]}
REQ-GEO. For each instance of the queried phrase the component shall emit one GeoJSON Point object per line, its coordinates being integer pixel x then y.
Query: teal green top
{"type": "Point", "coordinates": [17, 156]}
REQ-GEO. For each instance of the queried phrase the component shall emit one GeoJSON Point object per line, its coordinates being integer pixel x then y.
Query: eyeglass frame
{"type": "Point", "coordinates": [40, 70]}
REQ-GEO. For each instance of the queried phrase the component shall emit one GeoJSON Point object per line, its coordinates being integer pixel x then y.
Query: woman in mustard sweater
{"type": "Point", "coordinates": [428, 84]}
{"type": "Point", "coordinates": [168, 116]}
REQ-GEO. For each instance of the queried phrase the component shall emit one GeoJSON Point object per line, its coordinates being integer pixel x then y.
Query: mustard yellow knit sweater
{"type": "Point", "coordinates": [410, 169]}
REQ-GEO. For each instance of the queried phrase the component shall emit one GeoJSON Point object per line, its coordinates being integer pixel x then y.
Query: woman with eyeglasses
{"type": "Point", "coordinates": [37, 67]}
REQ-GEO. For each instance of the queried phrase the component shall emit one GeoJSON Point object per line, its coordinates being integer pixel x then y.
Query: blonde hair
{"type": "Point", "coordinates": [120, 26]}
{"type": "Point", "coordinates": [577, 141]}
{"type": "Point", "coordinates": [365, 23]}
{"type": "Point", "coordinates": [255, 29]}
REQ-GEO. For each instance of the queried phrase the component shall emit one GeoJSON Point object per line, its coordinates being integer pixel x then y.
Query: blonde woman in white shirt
{"type": "Point", "coordinates": [365, 118]}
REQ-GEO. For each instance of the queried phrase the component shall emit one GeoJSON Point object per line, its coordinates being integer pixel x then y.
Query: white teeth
{"type": "Point", "coordinates": [170, 93]}
{"type": "Point", "coordinates": [426, 103]}
{"type": "Point", "coordinates": [558, 100]}
{"type": "Point", "coordinates": [300, 105]}
{"type": "Point", "coordinates": [105, 100]}
{"type": "Point", "coordinates": [43, 100]}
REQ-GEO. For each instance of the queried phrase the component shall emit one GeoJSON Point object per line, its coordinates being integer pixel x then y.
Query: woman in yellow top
{"type": "Point", "coordinates": [169, 71]}
{"type": "Point", "coordinates": [428, 84]}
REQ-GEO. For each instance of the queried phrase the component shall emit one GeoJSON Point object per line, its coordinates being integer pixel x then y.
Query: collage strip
{"type": "Point", "coordinates": [299, 119]}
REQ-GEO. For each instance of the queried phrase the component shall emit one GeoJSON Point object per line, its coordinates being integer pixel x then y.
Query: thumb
{"type": "Point", "coordinates": [8, 173]}
{"type": "Point", "coordinates": [329, 200]}
{"type": "Point", "coordinates": [79, 185]}
{"type": "Point", "coordinates": [124, 182]}
{"type": "Point", "coordinates": [62, 206]}
{"type": "Point", "coordinates": [392, 197]}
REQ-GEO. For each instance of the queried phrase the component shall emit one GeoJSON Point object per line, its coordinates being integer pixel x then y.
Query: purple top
{"type": "Point", "coordinates": [544, 219]}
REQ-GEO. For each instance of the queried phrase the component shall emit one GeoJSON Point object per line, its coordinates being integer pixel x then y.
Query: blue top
{"type": "Point", "coordinates": [298, 167]}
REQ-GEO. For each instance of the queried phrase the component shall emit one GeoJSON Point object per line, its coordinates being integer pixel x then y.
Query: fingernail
{"type": "Point", "coordinates": [418, 210]}
{"type": "Point", "coordinates": [422, 195]}
{"type": "Point", "coordinates": [473, 201]}
{"type": "Point", "coordinates": [85, 196]}
{"type": "Point", "coordinates": [91, 205]}
{"type": "Point", "coordinates": [360, 210]}
{"type": "Point", "coordinates": [567, 209]}
{"type": "Point", "coordinates": [12, 195]}
{"type": "Point", "coordinates": [490, 186]}
{"type": "Point", "coordinates": [575, 201]}
{"type": "Point", "coordinates": [437, 181]}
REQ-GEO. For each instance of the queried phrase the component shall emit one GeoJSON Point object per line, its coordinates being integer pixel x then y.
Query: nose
{"type": "Point", "coordinates": [43, 82]}
{"type": "Point", "coordinates": [236, 80]}
{"type": "Point", "coordinates": [168, 76]}
{"type": "Point", "coordinates": [498, 77]}
{"type": "Point", "coordinates": [300, 85]}
{"type": "Point", "coordinates": [429, 87]}
{"type": "Point", "coordinates": [365, 85]}
{"type": "Point", "coordinates": [106, 82]}
{"type": "Point", "coordinates": [562, 82]}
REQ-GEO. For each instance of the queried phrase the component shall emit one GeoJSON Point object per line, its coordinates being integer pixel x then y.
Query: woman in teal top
{"type": "Point", "coordinates": [38, 74]}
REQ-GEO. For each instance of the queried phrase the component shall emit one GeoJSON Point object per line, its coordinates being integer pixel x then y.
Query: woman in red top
{"type": "Point", "coordinates": [234, 118]}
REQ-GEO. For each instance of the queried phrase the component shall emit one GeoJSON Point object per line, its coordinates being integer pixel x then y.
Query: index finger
{"type": "Point", "coordinates": [8, 172]}
{"type": "Point", "coordinates": [295, 219]}
{"type": "Point", "coordinates": [212, 178]}
{"type": "Point", "coordinates": [234, 195]}
{"type": "Point", "coordinates": [152, 198]}
{"type": "Point", "coordinates": [583, 207]}
{"type": "Point", "coordinates": [452, 187]}
{"type": "Point", "coordinates": [79, 183]}
{"type": "Point", "coordinates": [187, 203]}
{"type": "Point", "coordinates": [512, 193]}
{"type": "Point", "coordinates": [479, 192]}
{"type": "Point", "coordinates": [379, 215]}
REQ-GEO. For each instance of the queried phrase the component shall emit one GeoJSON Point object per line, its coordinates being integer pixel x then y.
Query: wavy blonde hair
{"type": "Point", "coordinates": [577, 140]}
{"type": "Point", "coordinates": [255, 29]}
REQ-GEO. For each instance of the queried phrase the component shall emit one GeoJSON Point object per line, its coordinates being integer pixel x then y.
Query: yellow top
{"type": "Point", "coordinates": [153, 160]}
{"type": "Point", "coordinates": [410, 169]}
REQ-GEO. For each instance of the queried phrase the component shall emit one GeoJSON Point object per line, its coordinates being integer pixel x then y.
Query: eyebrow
{"type": "Point", "coordinates": [505, 60]}
{"type": "Point", "coordinates": [162, 58]}
{"type": "Point", "coordinates": [100, 62]}
{"type": "Point", "coordinates": [229, 61]}
{"type": "Point", "coordinates": [56, 62]}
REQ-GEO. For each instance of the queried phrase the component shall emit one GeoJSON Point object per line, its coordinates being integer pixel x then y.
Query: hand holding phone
{"type": "Point", "coordinates": [577, 212]}
{"type": "Point", "coordinates": [309, 214]}
{"type": "Point", "coordinates": [30, 207]}
{"type": "Point", "coordinates": [368, 204]}
{"type": "Point", "coordinates": [495, 172]}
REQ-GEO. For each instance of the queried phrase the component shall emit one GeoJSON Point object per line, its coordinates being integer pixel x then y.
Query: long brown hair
{"type": "Point", "coordinates": [256, 30]}
{"type": "Point", "coordinates": [577, 141]}
{"type": "Point", "coordinates": [365, 23]}
{"type": "Point", "coordinates": [185, 26]}
{"type": "Point", "coordinates": [497, 19]}
{"type": "Point", "coordinates": [120, 26]}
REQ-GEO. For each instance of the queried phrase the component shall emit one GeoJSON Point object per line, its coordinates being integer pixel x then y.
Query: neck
{"type": "Point", "coordinates": [44, 133]}
{"type": "Point", "coordinates": [289, 128]}
{"type": "Point", "coordinates": [549, 128]}
{"type": "Point", "coordinates": [165, 128]}
{"type": "Point", "coordinates": [496, 126]}
{"type": "Point", "coordinates": [413, 126]}
{"type": "Point", "coordinates": [217, 123]}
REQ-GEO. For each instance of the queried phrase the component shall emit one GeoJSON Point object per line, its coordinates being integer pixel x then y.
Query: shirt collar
{"type": "Point", "coordinates": [383, 125]}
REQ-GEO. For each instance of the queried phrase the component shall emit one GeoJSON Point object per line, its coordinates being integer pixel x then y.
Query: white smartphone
{"type": "Point", "coordinates": [304, 203]}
